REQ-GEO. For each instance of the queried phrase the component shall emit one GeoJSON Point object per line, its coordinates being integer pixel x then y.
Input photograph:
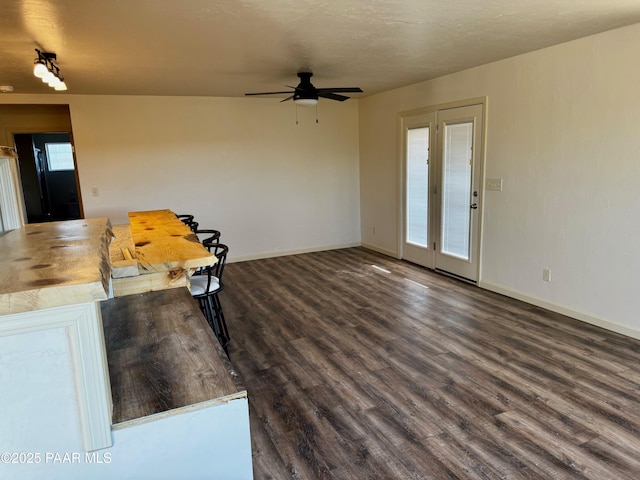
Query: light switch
{"type": "Point", "coordinates": [494, 184]}
{"type": "Point", "coordinates": [95, 192]}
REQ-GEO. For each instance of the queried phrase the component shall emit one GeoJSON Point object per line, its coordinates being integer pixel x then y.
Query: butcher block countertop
{"type": "Point", "coordinates": [45, 265]}
{"type": "Point", "coordinates": [163, 357]}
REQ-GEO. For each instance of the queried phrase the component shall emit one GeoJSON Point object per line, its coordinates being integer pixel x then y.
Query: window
{"type": "Point", "coordinates": [59, 156]}
{"type": "Point", "coordinates": [457, 178]}
{"type": "Point", "coordinates": [417, 182]}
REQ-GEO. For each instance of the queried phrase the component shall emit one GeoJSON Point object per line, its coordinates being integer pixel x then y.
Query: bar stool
{"type": "Point", "coordinates": [208, 236]}
{"type": "Point", "coordinates": [205, 287]}
{"type": "Point", "coordinates": [188, 221]}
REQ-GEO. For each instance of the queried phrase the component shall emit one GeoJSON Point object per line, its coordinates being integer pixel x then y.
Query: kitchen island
{"type": "Point", "coordinates": [149, 394]}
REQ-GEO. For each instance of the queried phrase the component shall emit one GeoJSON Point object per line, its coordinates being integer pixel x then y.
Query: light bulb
{"type": "Point", "coordinates": [48, 77]}
{"type": "Point", "coordinates": [61, 86]}
{"type": "Point", "coordinates": [40, 69]}
{"type": "Point", "coordinates": [54, 81]}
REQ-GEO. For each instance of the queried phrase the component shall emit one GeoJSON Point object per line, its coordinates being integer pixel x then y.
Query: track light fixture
{"type": "Point", "coordinates": [47, 71]}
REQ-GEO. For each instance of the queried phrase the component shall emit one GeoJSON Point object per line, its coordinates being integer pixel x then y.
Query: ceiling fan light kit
{"type": "Point", "coordinates": [305, 102]}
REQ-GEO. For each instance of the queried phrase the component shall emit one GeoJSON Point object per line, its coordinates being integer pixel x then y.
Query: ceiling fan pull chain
{"type": "Point", "coordinates": [296, 115]}
{"type": "Point", "coordinates": [316, 113]}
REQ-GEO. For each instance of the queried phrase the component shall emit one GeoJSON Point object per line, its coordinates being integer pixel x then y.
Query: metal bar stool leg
{"type": "Point", "coordinates": [211, 317]}
{"type": "Point", "coordinates": [222, 324]}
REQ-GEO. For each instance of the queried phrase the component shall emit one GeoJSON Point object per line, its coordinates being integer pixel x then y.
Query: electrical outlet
{"type": "Point", "coordinates": [546, 275]}
{"type": "Point", "coordinates": [95, 192]}
{"type": "Point", "coordinates": [494, 184]}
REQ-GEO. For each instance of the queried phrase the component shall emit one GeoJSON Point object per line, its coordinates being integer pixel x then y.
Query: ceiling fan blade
{"type": "Point", "coordinates": [332, 96]}
{"type": "Point", "coordinates": [268, 93]}
{"type": "Point", "coordinates": [288, 98]}
{"type": "Point", "coordinates": [341, 89]}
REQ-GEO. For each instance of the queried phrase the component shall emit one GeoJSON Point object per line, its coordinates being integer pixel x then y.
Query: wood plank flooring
{"type": "Point", "coordinates": [359, 366]}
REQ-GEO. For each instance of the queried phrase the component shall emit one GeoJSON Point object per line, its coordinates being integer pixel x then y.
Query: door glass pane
{"type": "Point", "coordinates": [456, 193]}
{"type": "Point", "coordinates": [417, 186]}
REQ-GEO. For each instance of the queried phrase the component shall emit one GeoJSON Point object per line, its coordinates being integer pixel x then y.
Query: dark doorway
{"type": "Point", "coordinates": [49, 178]}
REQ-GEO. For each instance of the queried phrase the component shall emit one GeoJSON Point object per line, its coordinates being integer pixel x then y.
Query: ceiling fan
{"type": "Point", "coordinates": [306, 95]}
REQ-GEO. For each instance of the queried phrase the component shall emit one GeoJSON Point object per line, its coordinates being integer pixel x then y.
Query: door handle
{"type": "Point", "coordinates": [474, 206]}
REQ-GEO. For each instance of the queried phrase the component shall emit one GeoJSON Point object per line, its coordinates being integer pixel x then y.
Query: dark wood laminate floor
{"type": "Point", "coordinates": [356, 373]}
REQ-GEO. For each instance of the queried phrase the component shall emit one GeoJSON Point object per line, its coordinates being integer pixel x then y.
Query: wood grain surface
{"type": "Point", "coordinates": [162, 243]}
{"type": "Point", "coordinates": [52, 264]}
{"type": "Point", "coordinates": [150, 282]}
{"type": "Point", "coordinates": [356, 373]}
{"type": "Point", "coordinates": [162, 356]}
{"type": "Point", "coordinates": [122, 251]}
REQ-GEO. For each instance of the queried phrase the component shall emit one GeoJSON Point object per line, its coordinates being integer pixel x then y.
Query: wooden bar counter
{"type": "Point", "coordinates": [155, 251]}
{"type": "Point", "coordinates": [47, 265]}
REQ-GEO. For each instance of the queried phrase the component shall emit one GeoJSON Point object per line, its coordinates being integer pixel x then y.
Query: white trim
{"type": "Point", "coordinates": [597, 321]}
{"type": "Point", "coordinates": [177, 411]}
{"type": "Point", "coordinates": [83, 323]}
{"type": "Point", "coordinates": [92, 376]}
{"type": "Point", "coordinates": [590, 319]}
{"type": "Point", "coordinates": [298, 251]}
{"type": "Point", "coordinates": [10, 188]}
{"type": "Point", "coordinates": [384, 251]}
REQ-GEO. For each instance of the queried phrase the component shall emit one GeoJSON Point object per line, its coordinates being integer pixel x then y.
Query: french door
{"type": "Point", "coordinates": [418, 173]}
{"type": "Point", "coordinates": [442, 158]}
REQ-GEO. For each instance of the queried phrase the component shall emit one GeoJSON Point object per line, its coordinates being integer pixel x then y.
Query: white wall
{"type": "Point", "coordinates": [240, 165]}
{"type": "Point", "coordinates": [207, 442]}
{"type": "Point", "coordinates": [563, 127]}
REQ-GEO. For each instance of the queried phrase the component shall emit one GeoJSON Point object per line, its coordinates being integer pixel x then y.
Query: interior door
{"type": "Point", "coordinates": [418, 132]}
{"type": "Point", "coordinates": [441, 189]}
{"type": "Point", "coordinates": [49, 176]}
{"type": "Point", "coordinates": [459, 195]}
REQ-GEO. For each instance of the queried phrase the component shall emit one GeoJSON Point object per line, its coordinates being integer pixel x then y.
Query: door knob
{"type": "Point", "coordinates": [474, 205]}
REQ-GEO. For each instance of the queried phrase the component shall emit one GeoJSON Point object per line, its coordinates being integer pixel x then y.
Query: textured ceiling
{"type": "Point", "coordinates": [227, 48]}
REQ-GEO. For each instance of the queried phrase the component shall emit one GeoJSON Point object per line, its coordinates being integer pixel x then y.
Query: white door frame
{"type": "Point", "coordinates": [483, 101]}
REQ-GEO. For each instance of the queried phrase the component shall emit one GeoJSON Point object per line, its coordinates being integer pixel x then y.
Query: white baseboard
{"type": "Point", "coordinates": [599, 322]}
{"type": "Point", "coordinates": [384, 251]}
{"type": "Point", "coordinates": [297, 251]}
